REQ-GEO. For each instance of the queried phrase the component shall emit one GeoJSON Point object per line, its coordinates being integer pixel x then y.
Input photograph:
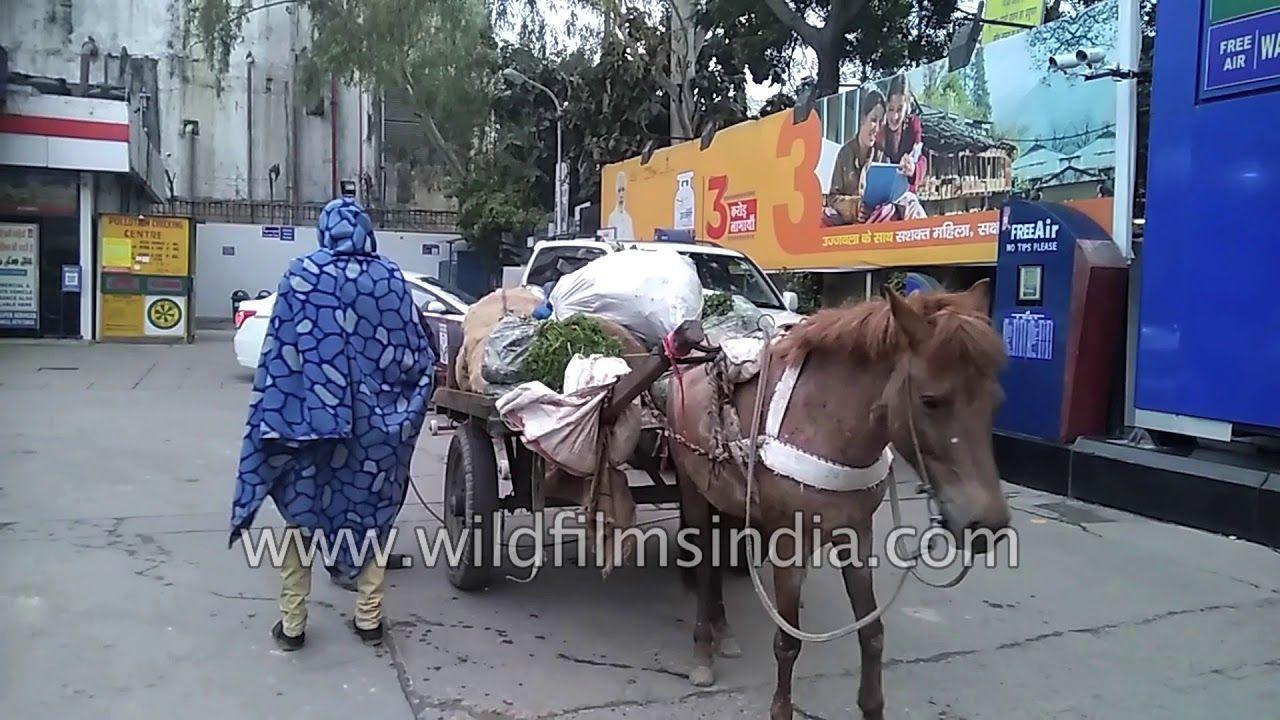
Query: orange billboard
{"type": "Point", "coordinates": [910, 170]}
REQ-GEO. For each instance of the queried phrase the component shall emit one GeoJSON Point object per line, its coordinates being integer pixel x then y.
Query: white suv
{"type": "Point", "coordinates": [719, 269]}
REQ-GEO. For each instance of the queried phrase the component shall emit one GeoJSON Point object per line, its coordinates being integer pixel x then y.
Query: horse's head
{"type": "Point", "coordinates": [942, 399]}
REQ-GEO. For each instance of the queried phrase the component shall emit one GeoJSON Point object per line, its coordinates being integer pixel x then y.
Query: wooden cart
{"type": "Point", "coordinates": [471, 500]}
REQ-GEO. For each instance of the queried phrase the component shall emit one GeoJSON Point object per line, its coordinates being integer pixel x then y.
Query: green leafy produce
{"type": "Point", "coordinates": [717, 304]}
{"type": "Point", "coordinates": [558, 341]}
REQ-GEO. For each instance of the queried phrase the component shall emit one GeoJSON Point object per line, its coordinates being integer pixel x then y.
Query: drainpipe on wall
{"type": "Point", "coordinates": [192, 130]}
{"type": "Point", "coordinates": [88, 51]}
{"type": "Point", "coordinates": [333, 135]}
{"type": "Point", "coordinates": [360, 148]}
{"type": "Point", "coordinates": [248, 131]}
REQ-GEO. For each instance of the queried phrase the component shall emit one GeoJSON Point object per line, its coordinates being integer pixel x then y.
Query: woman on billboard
{"type": "Point", "coordinates": [863, 185]}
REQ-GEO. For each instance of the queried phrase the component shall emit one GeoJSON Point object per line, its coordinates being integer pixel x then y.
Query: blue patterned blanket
{"type": "Point", "coordinates": [340, 393]}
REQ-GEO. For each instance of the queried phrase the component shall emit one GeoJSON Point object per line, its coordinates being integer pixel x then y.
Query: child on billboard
{"type": "Point", "coordinates": [902, 137]}
{"type": "Point", "coordinates": [901, 143]}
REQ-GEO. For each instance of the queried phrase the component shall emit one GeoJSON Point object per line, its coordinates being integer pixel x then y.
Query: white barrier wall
{"type": "Point", "coordinates": [233, 257]}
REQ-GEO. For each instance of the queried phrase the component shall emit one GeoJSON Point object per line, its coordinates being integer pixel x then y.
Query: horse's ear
{"type": "Point", "coordinates": [978, 296]}
{"type": "Point", "coordinates": [913, 326]}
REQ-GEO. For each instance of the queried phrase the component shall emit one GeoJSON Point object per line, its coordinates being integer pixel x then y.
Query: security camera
{"type": "Point", "coordinates": [1090, 56]}
{"type": "Point", "coordinates": [1065, 61]}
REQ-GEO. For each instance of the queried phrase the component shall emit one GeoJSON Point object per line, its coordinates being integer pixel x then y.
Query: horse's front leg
{"type": "Point", "coordinates": [787, 581]}
{"type": "Point", "coordinates": [862, 595]}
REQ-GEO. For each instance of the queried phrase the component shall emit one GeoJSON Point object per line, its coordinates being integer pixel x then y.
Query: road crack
{"type": "Point", "coordinates": [621, 666]}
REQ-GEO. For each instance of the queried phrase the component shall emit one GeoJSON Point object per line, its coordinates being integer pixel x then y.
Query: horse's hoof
{"type": "Point", "coordinates": [728, 647]}
{"type": "Point", "coordinates": [873, 713]}
{"type": "Point", "coordinates": [781, 712]}
{"type": "Point", "coordinates": [702, 676]}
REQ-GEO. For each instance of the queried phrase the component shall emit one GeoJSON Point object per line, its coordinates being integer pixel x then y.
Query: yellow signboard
{"type": "Point", "coordinates": [122, 315]}
{"type": "Point", "coordinates": [1024, 12]}
{"type": "Point", "coordinates": [145, 245]}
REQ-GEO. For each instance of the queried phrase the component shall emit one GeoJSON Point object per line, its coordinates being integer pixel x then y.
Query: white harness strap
{"type": "Point", "coordinates": [808, 469]}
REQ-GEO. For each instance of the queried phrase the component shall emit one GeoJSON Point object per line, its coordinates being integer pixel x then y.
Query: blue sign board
{"type": "Point", "coordinates": [70, 278]}
{"type": "Point", "coordinates": [283, 233]}
{"type": "Point", "coordinates": [1240, 53]}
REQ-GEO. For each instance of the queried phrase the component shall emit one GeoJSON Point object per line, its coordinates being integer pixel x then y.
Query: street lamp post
{"type": "Point", "coordinates": [562, 176]}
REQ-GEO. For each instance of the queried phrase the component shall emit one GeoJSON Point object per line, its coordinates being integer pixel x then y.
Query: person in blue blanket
{"type": "Point", "coordinates": [339, 399]}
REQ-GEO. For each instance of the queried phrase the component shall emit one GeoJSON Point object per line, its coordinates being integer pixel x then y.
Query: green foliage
{"type": "Point", "coordinates": [947, 91]}
{"type": "Point", "coordinates": [217, 24]}
{"type": "Point", "coordinates": [806, 285]}
{"type": "Point", "coordinates": [557, 341]}
{"type": "Point", "coordinates": [716, 304]}
{"type": "Point", "coordinates": [876, 37]}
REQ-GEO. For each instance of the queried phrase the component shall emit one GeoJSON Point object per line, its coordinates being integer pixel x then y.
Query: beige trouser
{"type": "Point", "coordinates": [295, 588]}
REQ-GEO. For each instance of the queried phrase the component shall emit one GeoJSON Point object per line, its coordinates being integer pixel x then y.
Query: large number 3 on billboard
{"type": "Point", "coordinates": [794, 234]}
{"type": "Point", "coordinates": [717, 186]}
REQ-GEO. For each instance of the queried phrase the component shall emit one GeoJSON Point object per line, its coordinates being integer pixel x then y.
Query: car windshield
{"type": "Point", "coordinates": [554, 262]}
{"type": "Point", "coordinates": [733, 274]}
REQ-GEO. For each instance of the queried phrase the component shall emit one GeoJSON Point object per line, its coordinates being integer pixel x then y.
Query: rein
{"type": "Point", "coordinates": [761, 593]}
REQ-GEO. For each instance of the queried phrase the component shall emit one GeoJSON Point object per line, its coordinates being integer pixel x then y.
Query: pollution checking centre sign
{"type": "Point", "coordinates": [1241, 46]}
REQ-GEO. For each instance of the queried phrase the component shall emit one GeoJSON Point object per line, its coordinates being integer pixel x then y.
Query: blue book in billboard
{"type": "Point", "coordinates": [885, 184]}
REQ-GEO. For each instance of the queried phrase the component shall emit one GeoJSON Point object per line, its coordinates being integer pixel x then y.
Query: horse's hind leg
{"type": "Point", "coordinates": [862, 595]}
{"type": "Point", "coordinates": [787, 581]}
{"type": "Point", "coordinates": [726, 644]}
{"type": "Point", "coordinates": [698, 514]}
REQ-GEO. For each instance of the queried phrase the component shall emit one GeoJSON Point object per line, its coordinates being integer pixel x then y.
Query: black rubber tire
{"type": "Point", "coordinates": [472, 470]}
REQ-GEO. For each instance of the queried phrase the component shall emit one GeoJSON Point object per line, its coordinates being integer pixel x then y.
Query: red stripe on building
{"type": "Point", "coordinates": [63, 127]}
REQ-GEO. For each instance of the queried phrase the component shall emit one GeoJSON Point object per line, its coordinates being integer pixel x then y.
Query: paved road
{"type": "Point", "coordinates": [121, 599]}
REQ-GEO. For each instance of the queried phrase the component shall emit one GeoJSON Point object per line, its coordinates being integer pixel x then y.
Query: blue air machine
{"type": "Point", "coordinates": [1059, 305]}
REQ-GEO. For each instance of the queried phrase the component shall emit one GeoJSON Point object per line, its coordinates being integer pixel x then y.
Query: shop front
{"type": "Point", "coordinates": [39, 237]}
{"type": "Point", "coordinates": [63, 160]}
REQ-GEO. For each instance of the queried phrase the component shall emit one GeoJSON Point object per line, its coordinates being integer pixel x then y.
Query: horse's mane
{"type": "Point", "coordinates": [867, 333]}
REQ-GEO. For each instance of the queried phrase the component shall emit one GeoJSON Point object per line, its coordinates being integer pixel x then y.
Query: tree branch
{"type": "Point", "coordinates": [842, 13]}
{"type": "Point", "coordinates": [793, 20]}
{"type": "Point", "coordinates": [433, 131]}
{"type": "Point", "coordinates": [241, 14]}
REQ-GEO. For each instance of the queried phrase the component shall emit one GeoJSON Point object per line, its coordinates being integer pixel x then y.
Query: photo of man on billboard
{"type": "Point", "coordinates": [620, 219]}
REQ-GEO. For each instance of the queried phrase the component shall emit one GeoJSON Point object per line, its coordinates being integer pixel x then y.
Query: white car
{"type": "Point", "coordinates": [443, 307]}
{"type": "Point", "coordinates": [720, 270]}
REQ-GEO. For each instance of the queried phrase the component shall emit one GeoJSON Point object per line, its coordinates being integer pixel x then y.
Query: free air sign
{"type": "Point", "coordinates": [1241, 46]}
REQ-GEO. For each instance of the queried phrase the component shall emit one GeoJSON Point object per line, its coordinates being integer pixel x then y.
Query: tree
{"type": "Point", "coordinates": [878, 36]}
{"type": "Point", "coordinates": [975, 80]}
{"type": "Point", "coordinates": [697, 65]}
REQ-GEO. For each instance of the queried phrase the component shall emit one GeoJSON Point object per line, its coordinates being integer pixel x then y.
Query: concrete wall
{"type": "Point", "coordinates": [257, 262]}
{"type": "Point", "coordinates": [44, 37]}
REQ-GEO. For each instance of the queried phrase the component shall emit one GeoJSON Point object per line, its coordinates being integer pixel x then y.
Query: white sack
{"type": "Point", "coordinates": [649, 292]}
{"type": "Point", "coordinates": [565, 429]}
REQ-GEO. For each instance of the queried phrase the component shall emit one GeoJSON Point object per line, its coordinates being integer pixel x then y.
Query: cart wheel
{"type": "Point", "coordinates": [471, 503]}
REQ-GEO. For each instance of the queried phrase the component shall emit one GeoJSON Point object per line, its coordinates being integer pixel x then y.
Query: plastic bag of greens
{"type": "Point", "coordinates": [506, 350]}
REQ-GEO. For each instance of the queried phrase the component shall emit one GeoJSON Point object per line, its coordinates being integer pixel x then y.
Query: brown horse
{"type": "Point", "coordinates": [886, 371]}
